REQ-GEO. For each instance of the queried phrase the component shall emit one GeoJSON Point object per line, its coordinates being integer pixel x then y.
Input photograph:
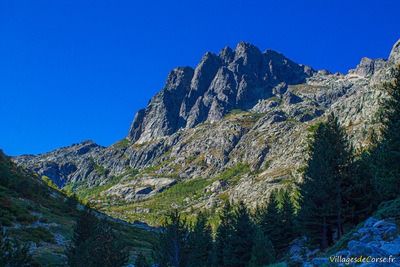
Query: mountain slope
{"type": "Point", "coordinates": [43, 218]}
{"type": "Point", "coordinates": [235, 127]}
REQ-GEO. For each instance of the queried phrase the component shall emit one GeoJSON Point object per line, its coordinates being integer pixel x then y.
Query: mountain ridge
{"type": "Point", "coordinates": [233, 79]}
{"type": "Point", "coordinates": [238, 153]}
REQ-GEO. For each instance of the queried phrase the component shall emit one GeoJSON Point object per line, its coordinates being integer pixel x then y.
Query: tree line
{"type": "Point", "coordinates": [341, 187]}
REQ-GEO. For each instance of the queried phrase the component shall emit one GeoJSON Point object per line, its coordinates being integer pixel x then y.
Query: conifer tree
{"type": "Point", "coordinates": [387, 154]}
{"type": "Point", "coordinates": [361, 196]}
{"type": "Point", "coordinates": [223, 232]}
{"type": "Point", "coordinates": [172, 249]}
{"type": "Point", "coordinates": [286, 222]}
{"type": "Point", "coordinates": [84, 229]}
{"type": "Point", "coordinates": [103, 248]}
{"type": "Point", "coordinates": [95, 244]}
{"type": "Point", "coordinates": [326, 180]}
{"type": "Point", "coordinates": [237, 250]}
{"type": "Point", "coordinates": [277, 221]}
{"type": "Point", "coordinates": [200, 243]}
{"type": "Point", "coordinates": [262, 252]}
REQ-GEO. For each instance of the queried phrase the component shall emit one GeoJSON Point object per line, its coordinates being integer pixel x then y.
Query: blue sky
{"type": "Point", "coordinates": [77, 70]}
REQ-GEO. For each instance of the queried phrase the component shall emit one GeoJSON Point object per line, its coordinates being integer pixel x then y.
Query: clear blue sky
{"type": "Point", "coordinates": [76, 70]}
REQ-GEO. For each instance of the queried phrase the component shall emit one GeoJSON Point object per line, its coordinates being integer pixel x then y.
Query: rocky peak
{"type": "Point", "coordinates": [367, 67]}
{"type": "Point", "coordinates": [247, 55]}
{"type": "Point", "coordinates": [227, 55]}
{"type": "Point", "coordinates": [395, 53]}
{"type": "Point", "coordinates": [233, 79]}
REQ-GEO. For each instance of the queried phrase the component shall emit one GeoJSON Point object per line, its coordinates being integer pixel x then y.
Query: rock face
{"type": "Point", "coordinates": [375, 238]}
{"type": "Point", "coordinates": [241, 114]}
{"type": "Point", "coordinates": [220, 83]}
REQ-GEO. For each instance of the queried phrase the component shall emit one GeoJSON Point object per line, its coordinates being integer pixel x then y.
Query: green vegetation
{"type": "Point", "coordinates": [233, 174]}
{"type": "Point", "coordinates": [385, 155]}
{"type": "Point", "coordinates": [323, 208]}
{"type": "Point", "coordinates": [49, 182]}
{"type": "Point", "coordinates": [95, 244]}
{"type": "Point", "coordinates": [13, 253]}
{"type": "Point", "coordinates": [164, 202]}
{"type": "Point", "coordinates": [38, 214]}
{"type": "Point", "coordinates": [123, 144]}
{"type": "Point", "coordinates": [238, 241]}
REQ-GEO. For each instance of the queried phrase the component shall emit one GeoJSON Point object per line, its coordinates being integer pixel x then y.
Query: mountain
{"type": "Point", "coordinates": [220, 83]}
{"type": "Point", "coordinates": [234, 127]}
{"type": "Point", "coordinates": [43, 218]}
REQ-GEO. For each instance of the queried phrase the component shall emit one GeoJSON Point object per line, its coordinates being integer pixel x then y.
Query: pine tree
{"type": "Point", "coordinates": [361, 196]}
{"type": "Point", "coordinates": [237, 250]}
{"type": "Point", "coordinates": [13, 253]}
{"type": "Point", "coordinates": [286, 223]}
{"type": "Point", "coordinates": [223, 232]}
{"type": "Point", "coordinates": [269, 221]}
{"type": "Point", "coordinates": [326, 179]}
{"type": "Point", "coordinates": [103, 248]}
{"type": "Point", "coordinates": [277, 220]}
{"type": "Point", "coordinates": [141, 261]}
{"type": "Point", "coordinates": [387, 153]}
{"type": "Point", "coordinates": [200, 243]}
{"type": "Point", "coordinates": [262, 252]}
{"type": "Point", "coordinates": [172, 249]}
{"type": "Point", "coordinates": [84, 229]}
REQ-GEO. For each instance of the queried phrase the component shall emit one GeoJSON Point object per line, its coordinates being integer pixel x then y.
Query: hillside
{"type": "Point", "coordinates": [43, 218]}
{"type": "Point", "coordinates": [235, 127]}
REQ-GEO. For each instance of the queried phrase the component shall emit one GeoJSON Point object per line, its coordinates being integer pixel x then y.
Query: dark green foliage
{"type": "Point", "coordinates": [386, 156]}
{"type": "Point", "coordinates": [172, 249]}
{"type": "Point", "coordinates": [277, 220]}
{"type": "Point", "coordinates": [262, 253]}
{"type": "Point", "coordinates": [20, 181]}
{"type": "Point", "coordinates": [200, 243]}
{"type": "Point", "coordinates": [103, 248]}
{"type": "Point", "coordinates": [13, 254]}
{"type": "Point", "coordinates": [141, 261]}
{"type": "Point", "coordinates": [237, 250]}
{"type": "Point", "coordinates": [326, 183]}
{"type": "Point", "coordinates": [222, 234]}
{"type": "Point", "coordinates": [84, 229]}
{"type": "Point", "coordinates": [361, 197]}
{"type": "Point", "coordinates": [95, 244]}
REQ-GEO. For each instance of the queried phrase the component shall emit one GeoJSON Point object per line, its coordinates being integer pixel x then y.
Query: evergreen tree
{"type": "Point", "coordinates": [269, 221]}
{"type": "Point", "coordinates": [387, 154]}
{"type": "Point", "coordinates": [200, 243]}
{"type": "Point", "coordinates": [262, 252]}
{"type": "Point", "coordinates": [172, 249]}
{"type": "Point", "coordinates": [361, 196]}
{"type": "Point", "coordinates": [286, 223]}
{"type": "Point", "coordinates": [84, 229]}
{"type": "Point", "coordinates": [103, 249]}
{"type": "Point", "coordinates": [94, 244]}
{"type": "Point", "coordinates": [141, 261]}
{"type": "Point", "coordinates": [326, 181]}
{"type": "Point", "coordinates": [277, 220]}
{"type": "Point", "coordinates": [237, 250]}
{"type": "Point", "coordinates": [223, 232]}
{"type": "Point", "coordinates": [12, 253]}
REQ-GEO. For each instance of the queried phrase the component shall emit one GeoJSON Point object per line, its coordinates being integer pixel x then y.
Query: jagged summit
{"type": "Point", "coordinates": [395, 53]}
{"type": "Point", "coordinates": [264, 147]}
{"type": "Point", "coordinates": [233, 79]}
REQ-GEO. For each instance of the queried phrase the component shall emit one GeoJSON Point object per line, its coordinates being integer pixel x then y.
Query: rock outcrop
{"type": "Point", "coordinates": [242, 112]}
{"type": "Point", "coordinates": [220, 83]}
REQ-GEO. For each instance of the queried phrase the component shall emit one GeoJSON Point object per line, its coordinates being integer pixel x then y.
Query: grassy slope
{"type": "Point", "coordinates": [184, 195]}
{"type": "Point", "coordinates": [36, 214]}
